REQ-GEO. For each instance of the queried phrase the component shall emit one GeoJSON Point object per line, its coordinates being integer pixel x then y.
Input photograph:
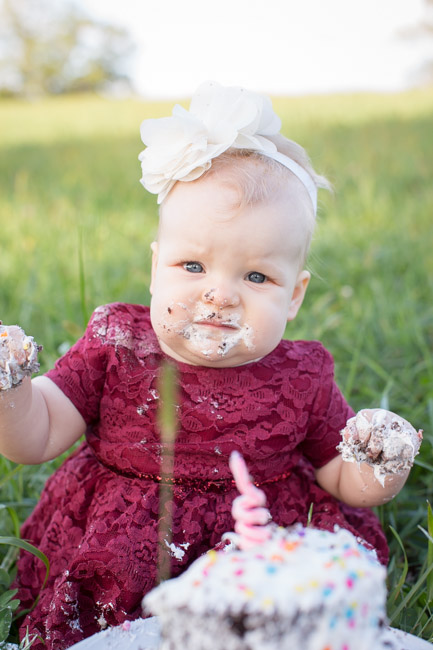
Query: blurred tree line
{"type": "Point", "coordinates": [424, 30]}
{"type": "Point", "coordinates": [53, 47]}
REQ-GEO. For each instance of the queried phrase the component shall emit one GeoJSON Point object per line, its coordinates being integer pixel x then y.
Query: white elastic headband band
{"type": "Point", "coordinates": [298, 171]}
{"type": "Point", "coordinates": [182, 147]}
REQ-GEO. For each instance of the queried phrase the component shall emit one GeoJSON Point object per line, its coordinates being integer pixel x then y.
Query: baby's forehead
{"type": "Point", "coordinates": [252, 178]}
{"type": "Point", "coordinates": [208, 209]}
{"type": "Point", "coordinates": [236, 186]}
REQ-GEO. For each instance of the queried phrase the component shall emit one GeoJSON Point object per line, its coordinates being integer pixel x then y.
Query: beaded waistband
{"type": "Point", "coordinates": [200, 484]}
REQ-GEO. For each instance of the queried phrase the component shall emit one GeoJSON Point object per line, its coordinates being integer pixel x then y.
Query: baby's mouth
{"type": "Point", "coordinates": [208, 328]}
{"type": "Point", "coordinates": [213, 320]}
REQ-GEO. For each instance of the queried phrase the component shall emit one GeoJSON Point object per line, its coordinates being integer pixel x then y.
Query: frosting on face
{"type": "Point", "coordinates": [18, 356]}
{"type": "Point", "coordinates": [209, 325]}
{"type": "Point", "coordinates": [209, 331]}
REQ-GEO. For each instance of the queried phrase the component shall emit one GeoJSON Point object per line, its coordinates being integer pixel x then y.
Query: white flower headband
{"type": "Point", "coordinates": [181, 147]}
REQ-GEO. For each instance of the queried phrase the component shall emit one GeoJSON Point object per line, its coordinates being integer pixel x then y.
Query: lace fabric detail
{"type": "Point", "coordinates": [97, 519]}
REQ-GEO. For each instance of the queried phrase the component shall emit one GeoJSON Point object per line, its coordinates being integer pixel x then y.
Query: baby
{"type": "Point", "coordinates": [238, 206]}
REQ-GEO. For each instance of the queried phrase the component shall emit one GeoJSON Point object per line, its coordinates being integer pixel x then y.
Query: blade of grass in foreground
{"type": "Point", "coordinates": [397, 589]}
{"type": "Point", "coordinates": [412, 595]}
{"type": "Point", "coordinates": [167, 421]}
{"type": "Point", "coordinates": [82, 278]}
{"type": "Point", "coordinates": [429, 551]}
{"type": "Point", "coordinates": [5, 480]}
{"type": "Point", "coordinates": [14, 517]}
{"type": "Point", "coordinates": [25, 546]}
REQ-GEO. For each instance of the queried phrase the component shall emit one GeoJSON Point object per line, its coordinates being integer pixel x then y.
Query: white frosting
{"type": "Point", "coordinates": [388, 443]}
{"type": "Point", "coordinates": [18, 356]}
{"type": "Point", "coordinates": [201, 338]}
{"type": "Point", "coordinates": [208, 341]}
{"type": "Point", "coordinates": [322, 589]}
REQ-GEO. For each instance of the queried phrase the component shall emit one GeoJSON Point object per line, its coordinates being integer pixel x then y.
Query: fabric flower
{"type": "Point", "coordinates": [182, 146]}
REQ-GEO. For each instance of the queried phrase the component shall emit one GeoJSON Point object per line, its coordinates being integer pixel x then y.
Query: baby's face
{"type": "Point", "coordinates": [225, 280]}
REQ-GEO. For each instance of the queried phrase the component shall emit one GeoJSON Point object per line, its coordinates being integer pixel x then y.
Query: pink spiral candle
{"type": "Point", "coordinates": [249, 509]}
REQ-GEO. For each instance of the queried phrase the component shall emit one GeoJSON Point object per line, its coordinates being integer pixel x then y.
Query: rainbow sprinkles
{"type": "Point", "coordinates": [296, 588]}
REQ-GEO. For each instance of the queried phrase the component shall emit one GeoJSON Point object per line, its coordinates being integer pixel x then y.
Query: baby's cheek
{"type": "Point", "coordinates": [269, 327]}
{"type": "Point", "coordinates": [166, 314]}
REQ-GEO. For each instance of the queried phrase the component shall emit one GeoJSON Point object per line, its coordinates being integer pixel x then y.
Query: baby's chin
{"type": "Point", "coordinates": [204, 344]}
{"type": "Point", "coordinates": [210, 354]}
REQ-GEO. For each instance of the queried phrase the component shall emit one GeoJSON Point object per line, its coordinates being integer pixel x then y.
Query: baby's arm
{"type": "Point", "coordinates": [37, 421]}
{"type": "Point", "coordinates": [377, 452]}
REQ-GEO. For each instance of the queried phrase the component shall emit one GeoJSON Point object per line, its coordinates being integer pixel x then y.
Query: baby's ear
{"type": "Point", "coordinates": [298, 294]}
{"type": "Point", "coordinates": [154, 249]}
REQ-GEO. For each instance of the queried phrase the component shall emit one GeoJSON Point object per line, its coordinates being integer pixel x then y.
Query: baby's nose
{"type": "Point", "coordinates": [221, 296]}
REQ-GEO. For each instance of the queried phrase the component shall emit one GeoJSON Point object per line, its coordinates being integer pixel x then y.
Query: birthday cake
{"type": "Point", "coordinates": [274, 588]}
{"type": "Point", "coordinates": [18, 356]}
{"type": "Point", "coordinates": [303, 588]}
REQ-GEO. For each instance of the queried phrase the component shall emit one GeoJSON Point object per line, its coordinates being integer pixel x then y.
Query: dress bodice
{"type": "Point", "coordinates": [272, 410]}
{"type": "Point", "coordinates": [105, 514]}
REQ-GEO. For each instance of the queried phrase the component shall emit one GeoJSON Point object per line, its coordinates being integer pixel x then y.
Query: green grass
{"type": "Point", "coordinates": [75, 232]}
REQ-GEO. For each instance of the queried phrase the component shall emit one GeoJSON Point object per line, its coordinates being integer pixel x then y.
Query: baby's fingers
{"type": "Point", "coordinates": [358, 428]}
{"type": "Point", "coordinates": [12, 341]}
{"type": "Point", "coordinates": [375, 444]}
{"type": "Point", "coordinates": [403, 442]}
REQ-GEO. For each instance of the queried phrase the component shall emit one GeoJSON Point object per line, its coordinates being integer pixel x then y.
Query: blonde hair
{"type": "Point", "coordinates": [243, 170]}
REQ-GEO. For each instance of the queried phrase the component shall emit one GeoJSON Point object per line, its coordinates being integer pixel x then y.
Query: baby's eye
{"type": "Point", "coordinates": [193, 267]}
{"type": "Point", "coordinates": [256, 277]}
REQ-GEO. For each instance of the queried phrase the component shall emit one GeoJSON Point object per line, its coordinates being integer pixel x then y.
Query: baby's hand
{"type": "Point", "coordinates": [248, 510]}
{"type": "Point", "coordinates": [382, 439]}
{"type": "Point", "coordinates": [18, 356]}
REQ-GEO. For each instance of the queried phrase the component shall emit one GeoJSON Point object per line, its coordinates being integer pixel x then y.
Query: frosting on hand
{"type": "Point", "coordinates": [18, 356]}
{"type": "Point", "coordinates": [381, 439]}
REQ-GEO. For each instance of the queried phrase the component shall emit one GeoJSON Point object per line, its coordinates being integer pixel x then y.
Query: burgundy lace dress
{"type": "Point", "coordinates": [97, 519]}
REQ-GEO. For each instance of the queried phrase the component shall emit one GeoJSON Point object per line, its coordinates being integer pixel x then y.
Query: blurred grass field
{"type": "Point", "coordinates": [75, 232]}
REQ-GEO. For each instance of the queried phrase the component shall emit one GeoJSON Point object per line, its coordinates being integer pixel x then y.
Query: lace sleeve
{"type": "Point", "coordinates": [328, 417]}
{"type": "Point", "coordinates": [81, 372]}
